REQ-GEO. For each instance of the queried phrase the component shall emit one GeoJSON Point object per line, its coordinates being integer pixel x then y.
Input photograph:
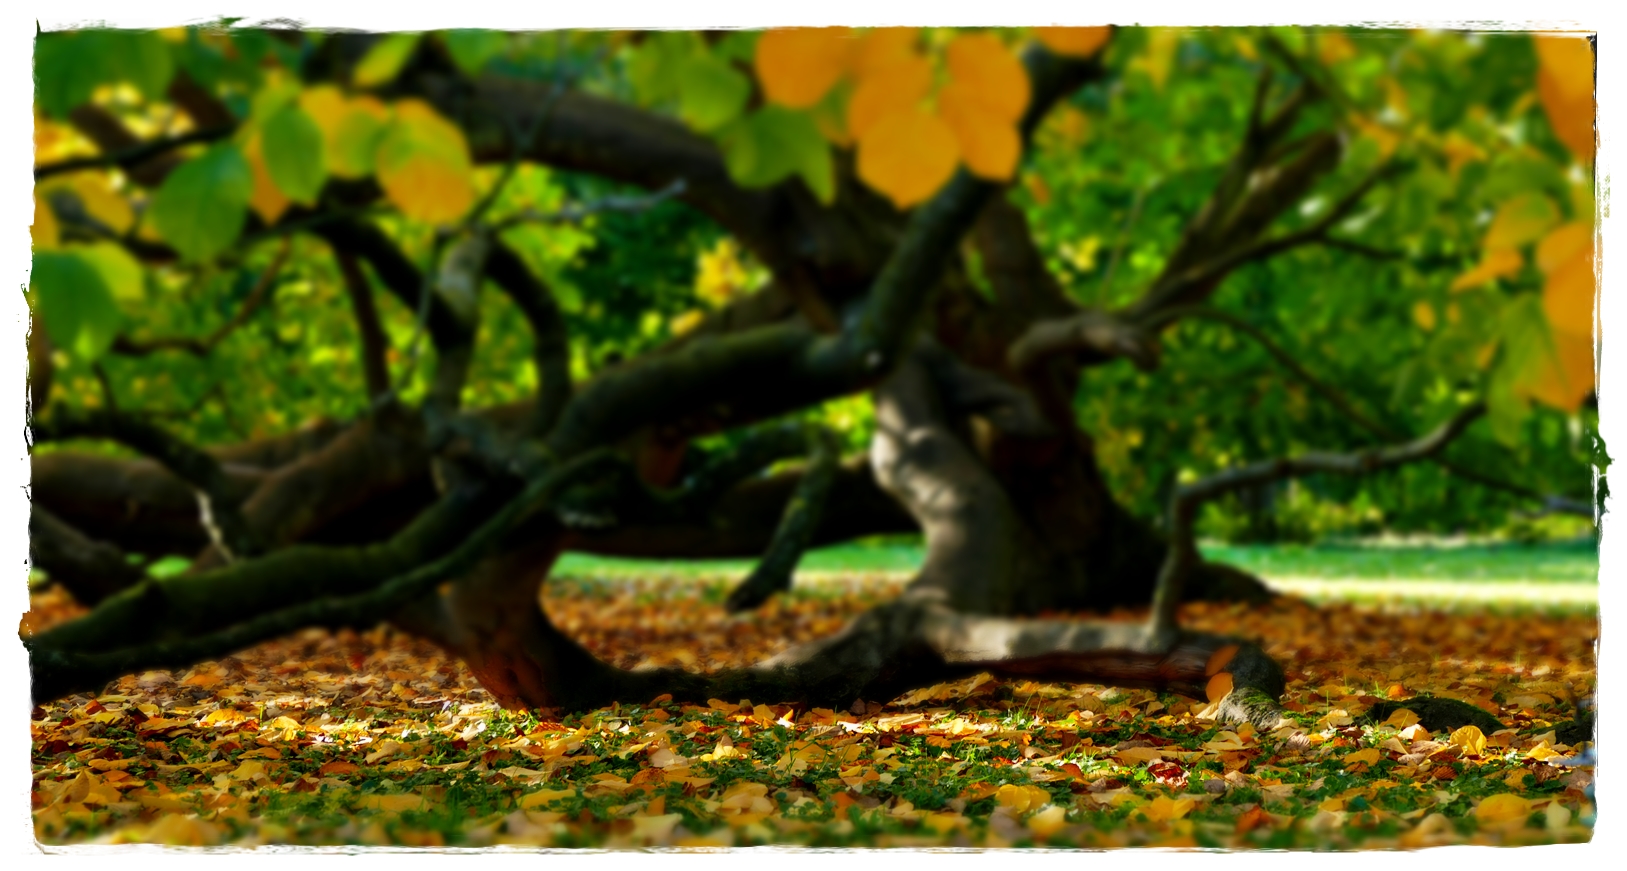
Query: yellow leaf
{"type": "Point", "coordinates": [248, 771]}
{"type": "Point", "coordinates": [1424, 314]}
{"type": "Point", "coordinates": [1460, 151]}
{"type": "Point", "coordinates": [1402, 718]}
{"type": "Point", "coordinates": [544, 796]}
{"type": "Point", "coordinates": [1542, 753]}
{"type": "Point", "coordinates": [887, 90]}
{"type": "Point", "coordinates": [1556, 816]}
{"type": "Point", "coordinates": [96, 194]}
{"type": "Point", "coordinates": [1334, 48]}
{"type": "Point", "coordinates": [1164, 809]}
{"type": "Point", "coordinates": [1501, 808]}
{"type": "Point", "coordinates": [45, 230]}
{"type": "Point", "coordinates": [1160, 56]}
{"type": "Point", "coordinates": [989, 145]}
{"type": "Point", "coordinates": [1048, 821]}
{"type": "Point", "coordinates": [1520, 220]}
{"type": "Point", "coordinates": [1497, 264]}
{"type": "Point", "coordinates": [183, 831]}
{"type": "Point", "coordinates": [1021, 799]}
{"type": "Point", "coordinates": [987, 75]}
{"type": "Point", "coordinates": [1134, 755]}
{"type": "Point", "coordinates": [397, 803]}
{"type": "Point", "coordinates": [1369, 755]}
{"type": "Point", "coordinates": [798, 66]}
{"type": "Point", "coordinates": [1565, 84]}
{"type": "Point", "coordinates": [1470, 738]}
{"type": "Point", "coordinates": [1073, 41]}
{"type": "Point", "coordinates": [424, 166]}
{"type": "Point", "coordinates": [908, 156]}
{"type": "Point", "coordinates": [1386, 138]}
{"type": "Point", "coordinates": [267, 200]}
{"type": "Point", "coordinates": [686, 322]}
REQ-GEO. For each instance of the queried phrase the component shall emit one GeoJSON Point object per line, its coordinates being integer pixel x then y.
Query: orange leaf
{"type": "Point", "coordinates": [338, 766]}
{"type": "Point", "coordinates": [1567, 297]}
{"type": "Point", "coordinates": [885, 91]}
{"type": "Point", "coordinates": [798, 66]}
{"type": "Point", "coordinates": [907, 156]}
{"type": "Point", "coordinates": [1218, 686]}
{"type": "Point", "coordinates": [989, 145]}
{"type": "Point", "coordinates": [1520, 220]}
{"type": "Point", "coordinates": [1424, 314]}
{"type": "Point", "coordinates": [881, 47]}
{"type": "Point", "coordinates": [267, 200]}
{"type": "Point", "coordinates": [1220, 659]}
{"type": "Point", "coordinates": [1497, 264]}
{"type": "Point", "coordinates": [1557, 248]}
{"type": "Point", "coordinates": [1565, 378]}
{"type": "Point", "coordinates": [986, 74]}
{"type": "Point", "coordinates": [1565, 84]}
{"type": "Point", "coordinates": [1073, 41]}
{"type": "Point", "coordinates": [424, 165]}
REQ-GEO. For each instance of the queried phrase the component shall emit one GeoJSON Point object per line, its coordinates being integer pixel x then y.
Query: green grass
{"type": "Point", "coordinates": [1559, 562]}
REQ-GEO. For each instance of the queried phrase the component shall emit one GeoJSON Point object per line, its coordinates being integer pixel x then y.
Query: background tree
{"type": "Point", "coordinates": [637, 289]}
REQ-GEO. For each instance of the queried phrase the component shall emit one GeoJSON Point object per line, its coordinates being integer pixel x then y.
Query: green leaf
{"type": "Point", "coordinates": [79, 312]}
{"type": "Point", "coordinates": [710, 92]}
{"type": "Point", "coordinates": [67, 68]}
{"type": "Point", "coordinates": [120, 272]}
{"type": "Point", "coordinates": [739, 45]}
{"type": "Point", "coordinates": [201, 207]}
{"type": "Point", "coordinates": [775, 142]}
{"type": "Point", "coordinates": [356, 143]}
{"type": "Point", "coordinates": [140, 57]}
{"type": "Point", "coordinates": [292, 145]}
{"type": "Point", "coordinates": [1525, 344]}
{"type": "Point", "coordinates": [385, 59]}
{"type": "Point", "coordinates": [654, 69]}
{"type": "Point", "coordinates": [471, 49]}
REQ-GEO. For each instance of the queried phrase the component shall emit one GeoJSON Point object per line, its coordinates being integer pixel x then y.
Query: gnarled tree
{"type": "Point", "coordinates": [903, 268]}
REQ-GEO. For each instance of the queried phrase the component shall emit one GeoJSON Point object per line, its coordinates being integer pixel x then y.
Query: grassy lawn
{"type": "Point", "coordinates": [1554, 562]}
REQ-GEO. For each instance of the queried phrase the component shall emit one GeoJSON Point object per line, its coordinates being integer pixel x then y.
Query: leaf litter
{"type": "Point", "coordinates": [378, 738]}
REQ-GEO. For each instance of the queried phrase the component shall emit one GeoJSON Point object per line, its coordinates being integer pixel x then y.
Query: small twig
{"type": "Point", "coordinates": [197, 347]}
{"type": "Point", "coordinates": [128, 157]}
{"type": "Point", "coordinates": [1123, 240]}
{"type": "Point", "coordinates": [611, 203]}
{"type": "Point", "coordinates": [106, 385]}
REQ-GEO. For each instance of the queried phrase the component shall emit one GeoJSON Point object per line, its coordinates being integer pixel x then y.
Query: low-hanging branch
{"type": "Point", "coordinates": [375, 344]}
{"type": "Point", "coordinates": [1184, 504]}
{"type": "Point", "coordinates": [58, 670]}
{"type": "Point", "coordinates": [803, 513]}
{"type": "Point", "coordinates": [1550, 502]}
{"type": "Point", "coordinates": [218, 511]}
{"type": "Point", "coordinates": [551, 350]}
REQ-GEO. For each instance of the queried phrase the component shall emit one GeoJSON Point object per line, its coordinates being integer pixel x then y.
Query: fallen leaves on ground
{"type": "Point", "coordinates": [380, 739]}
